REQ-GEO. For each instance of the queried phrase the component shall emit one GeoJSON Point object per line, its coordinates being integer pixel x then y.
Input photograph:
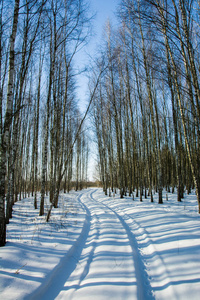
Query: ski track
{"type": "Point", "coordinates": [87, 278]}
{"type": "Point", "coordinates": [55, 281]}
{"type": "Point", "coordinates": [144, 290]}
{"type": "Point", "coordinates": [93, 243]}
{"type": "Point", "coordinates": [78, 273]}
{"type": "Point", "coordinates": [142, 236]}
{"type": "Point", "coordinates": [119, 252]}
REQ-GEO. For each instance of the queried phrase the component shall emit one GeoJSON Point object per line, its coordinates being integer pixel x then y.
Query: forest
{"type": "Point", "coordinates": [146, 107]}
{"type": "Point", "coordinates": [144, 101]}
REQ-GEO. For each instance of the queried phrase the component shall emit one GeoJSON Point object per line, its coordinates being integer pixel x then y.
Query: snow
{"type": "Point", "coordinates": [100, 247]}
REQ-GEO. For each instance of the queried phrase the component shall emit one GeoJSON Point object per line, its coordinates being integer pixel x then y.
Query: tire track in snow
{"type": "Point", "coordinates": [94, 242]}
{"type": "Point", "coordinates": [94, 239]}
{"type": "Point", "coordinates": [165, 274]}
{"type": "Point", "coordinates": [143, 237]}
{"type": "Point", "coordinates": [144, 289]}
{"type": "Point", "coordinates": [79, 278]}
{"type": "Point", "coordinates": [56, 279]}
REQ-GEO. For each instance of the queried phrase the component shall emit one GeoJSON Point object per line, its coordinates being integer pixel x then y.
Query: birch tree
{"type": "Point", "coordinates": [7, 123]}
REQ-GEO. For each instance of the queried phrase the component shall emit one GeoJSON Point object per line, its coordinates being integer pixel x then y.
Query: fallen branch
{"type": "Point", "coordinates": [17, 272]}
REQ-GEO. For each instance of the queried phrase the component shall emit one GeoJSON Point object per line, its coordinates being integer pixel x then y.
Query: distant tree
{"type": "Point", "coordinates": [152, 78]}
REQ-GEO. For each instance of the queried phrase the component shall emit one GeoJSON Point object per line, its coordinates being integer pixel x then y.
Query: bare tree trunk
{"type": "Point", "coordinates": [193, 169]}
{"type": "Point", "coordinates": [44, 149]}
{"type": "Point", "coordinates": [151, 104]}
{"type": "Point", "coordinates": [37, 131]}
{"type": "Point", "coordinates": [72, 145]}
{"type": "Point", "coordinates": [52, 49]}
{"type": "Point", "coordinates": [7, 123]}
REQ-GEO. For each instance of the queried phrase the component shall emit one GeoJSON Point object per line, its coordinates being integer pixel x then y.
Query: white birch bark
{"type": "Point", "coordinates": [8, 120]}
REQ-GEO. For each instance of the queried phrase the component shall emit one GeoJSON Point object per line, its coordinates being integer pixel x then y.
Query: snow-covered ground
{"type": "Point", "coordinates": [96, 247]}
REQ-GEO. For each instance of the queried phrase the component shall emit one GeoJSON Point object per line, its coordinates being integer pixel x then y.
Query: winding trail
{"type": "Point", "coordinates": [104, 263]}
{"type": "Point", "coordinates": [97, 247]}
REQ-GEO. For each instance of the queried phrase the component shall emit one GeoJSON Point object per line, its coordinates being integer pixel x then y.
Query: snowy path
{"type": "Point", "coordinates": [100, 247]}
{"type": "Point", "coordinates": [105, 264]}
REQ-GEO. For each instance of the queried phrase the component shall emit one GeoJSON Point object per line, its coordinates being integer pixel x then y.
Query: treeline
{"type": "Point", "coordinates": [146, 111]}
{"type": "Point", "coordinates": [42, 143]}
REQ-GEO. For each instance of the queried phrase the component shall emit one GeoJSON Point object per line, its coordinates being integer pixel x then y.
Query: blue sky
{"type": "Point", "coordinates": [104, 10]}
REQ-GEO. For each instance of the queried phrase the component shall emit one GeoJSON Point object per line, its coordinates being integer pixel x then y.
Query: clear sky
{"type": "Point", "coordinates": [104, 10]}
